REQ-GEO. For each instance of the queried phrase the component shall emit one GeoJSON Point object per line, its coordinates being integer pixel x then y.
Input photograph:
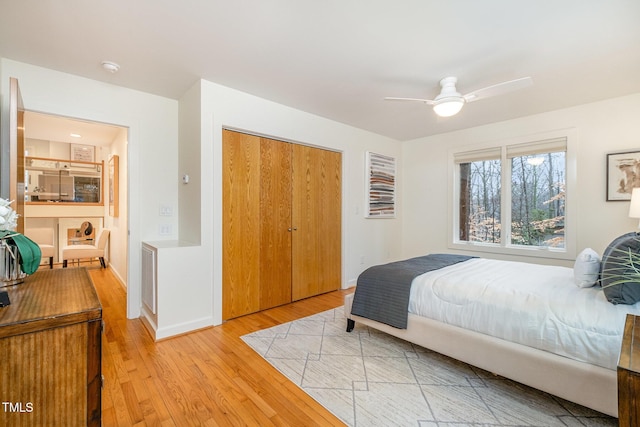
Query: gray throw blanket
{"type": "Point", "coordinates": [382, 292]}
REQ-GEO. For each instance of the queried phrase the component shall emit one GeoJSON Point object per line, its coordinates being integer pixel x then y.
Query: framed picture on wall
{"type": "Point", "coordinates": [113, 185]}
{"type": "Point", "coordinates": [381, 186]}
{"type": "Point", "coordinates": [623, 175]}
{"type": "Point", "coordinates": [82, 153]}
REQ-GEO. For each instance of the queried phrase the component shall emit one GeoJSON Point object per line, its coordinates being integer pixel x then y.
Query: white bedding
{"type": "Point", "coordinates": [536, 305]}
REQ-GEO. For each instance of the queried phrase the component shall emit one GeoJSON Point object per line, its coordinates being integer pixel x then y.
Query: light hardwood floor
{"type": "Point", "coordinates": [209, 377]}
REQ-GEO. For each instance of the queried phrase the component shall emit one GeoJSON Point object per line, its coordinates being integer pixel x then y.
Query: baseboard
{"type": "Point", "coordinates": [148, 320]}
{"type": "Point", "coordinates": [183, 328]}
{"type": "Point", "coordinates": [122, 282]}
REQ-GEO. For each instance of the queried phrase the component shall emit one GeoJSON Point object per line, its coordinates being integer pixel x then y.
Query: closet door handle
{"type": "Point", "coordinates": [294, 229]}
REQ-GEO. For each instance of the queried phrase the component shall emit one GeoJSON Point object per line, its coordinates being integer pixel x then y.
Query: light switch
{"type": "Point", "coordinates": [165, 230]}
{"type": "Point", "coordinates": [166, 210]}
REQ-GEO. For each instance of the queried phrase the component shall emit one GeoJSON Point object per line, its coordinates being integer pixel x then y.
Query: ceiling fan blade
{"type": "Point", "coordinates": [426, 101]}
{"type": "Point", "coordinates": [498, 89]}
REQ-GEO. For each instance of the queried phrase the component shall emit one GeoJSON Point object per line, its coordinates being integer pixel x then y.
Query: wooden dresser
{"type": "Point", "coordinates": [50, 351]}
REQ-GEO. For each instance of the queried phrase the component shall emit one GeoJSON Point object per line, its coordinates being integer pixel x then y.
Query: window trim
{"type": "Point", "coordinates": [505, 248]}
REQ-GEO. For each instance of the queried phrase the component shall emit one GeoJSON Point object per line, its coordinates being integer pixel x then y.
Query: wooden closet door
{"type": "Point", "coordinates": [240, 224]}
{"type": "Point", "coordinates": [317, 195]}
{"type": "Point", "coordinates": [275, 223]}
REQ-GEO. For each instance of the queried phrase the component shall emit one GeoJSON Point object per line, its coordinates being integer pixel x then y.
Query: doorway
{"type": "Point", "coordinates": [49, 140]}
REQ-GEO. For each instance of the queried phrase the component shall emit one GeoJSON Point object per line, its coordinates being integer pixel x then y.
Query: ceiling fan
{"type": "Point", "coordinates": [449, 102]}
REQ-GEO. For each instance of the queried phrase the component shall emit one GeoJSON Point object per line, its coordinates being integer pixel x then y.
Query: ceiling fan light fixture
{"type": "Point", "coordinates": [449, 102]}
{"type": "Point", "coordinates": [447, 107]}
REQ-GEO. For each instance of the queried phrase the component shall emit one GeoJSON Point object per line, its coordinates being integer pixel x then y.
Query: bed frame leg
{"type": "Point", "coordinates": [350, 324]}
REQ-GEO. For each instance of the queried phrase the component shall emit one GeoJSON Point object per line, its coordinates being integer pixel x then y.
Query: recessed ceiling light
{"type": "Point", "coordinates": [76, 135]}
{"type": "Point", "coordinates": [111, 67]}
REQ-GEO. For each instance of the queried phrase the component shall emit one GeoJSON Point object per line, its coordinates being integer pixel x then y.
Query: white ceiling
{"type": "Point", "coordinates": [340, 58]}
{"type": "Point", "coordinates": [48, 127]}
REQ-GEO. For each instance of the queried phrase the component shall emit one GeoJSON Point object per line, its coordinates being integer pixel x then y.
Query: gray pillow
{"type": "Point", "coordinates": [620, 270]}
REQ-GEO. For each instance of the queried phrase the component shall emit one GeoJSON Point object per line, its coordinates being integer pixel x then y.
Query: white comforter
{"type": "Point", "coordinates": [536, 305]}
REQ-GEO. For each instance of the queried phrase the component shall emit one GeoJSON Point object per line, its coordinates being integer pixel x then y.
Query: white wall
{"type": "Point", "coordinates": [190, 162]}
{"type": "Point", "coordinates": [152, 148]}
{"type": "Point", "coordinates": [118, 226]}
{"type": "Point", "coordinates": [184, 266]}
{"type": "Point", "coordinates": [603, 127]}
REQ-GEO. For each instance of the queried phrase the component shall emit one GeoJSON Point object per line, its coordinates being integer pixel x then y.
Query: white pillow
{"type": "Point", "coordinates": [586, 268]}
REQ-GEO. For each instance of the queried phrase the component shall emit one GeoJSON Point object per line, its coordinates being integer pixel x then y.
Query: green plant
{"type": "Point", "coordinates": [621, 266]}
{"type": "Point", "coordinates": [30, 254]}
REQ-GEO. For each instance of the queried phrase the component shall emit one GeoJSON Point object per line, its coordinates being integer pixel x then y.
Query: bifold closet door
{"type": "Point", "coordinates": [281, 220]}
{"type": "Point", "coordinates": [240, 224]}
{"type": "Point", "coordinates": [256, 230]}
{"type": "Point", "coordinates": [275, 223]}
{"type": "Point", "coordinates": [316, 198]}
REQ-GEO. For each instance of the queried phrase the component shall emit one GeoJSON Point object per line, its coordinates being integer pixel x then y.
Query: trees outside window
{"type": "Point", "coordinates": [513, 195]}
{"type": "Point", "coordinates": [480, 189]}
{"type": "Point", "coordinates": [537, 199]}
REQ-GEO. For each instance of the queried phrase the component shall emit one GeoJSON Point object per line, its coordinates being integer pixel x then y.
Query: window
{"type": "Point", "coordinates": [58, 180]}
{"type": "Point", "coordinates": [480, 189]}
{"type": "Point", "coordinates": [512, 197]}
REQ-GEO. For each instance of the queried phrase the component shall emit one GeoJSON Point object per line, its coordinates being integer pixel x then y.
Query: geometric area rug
{"type": "Point", "coordinates": [368, 378]}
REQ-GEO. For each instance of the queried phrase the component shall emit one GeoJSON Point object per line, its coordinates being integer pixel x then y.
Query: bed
{"type": "Point", "coordinates": [527, 322]}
